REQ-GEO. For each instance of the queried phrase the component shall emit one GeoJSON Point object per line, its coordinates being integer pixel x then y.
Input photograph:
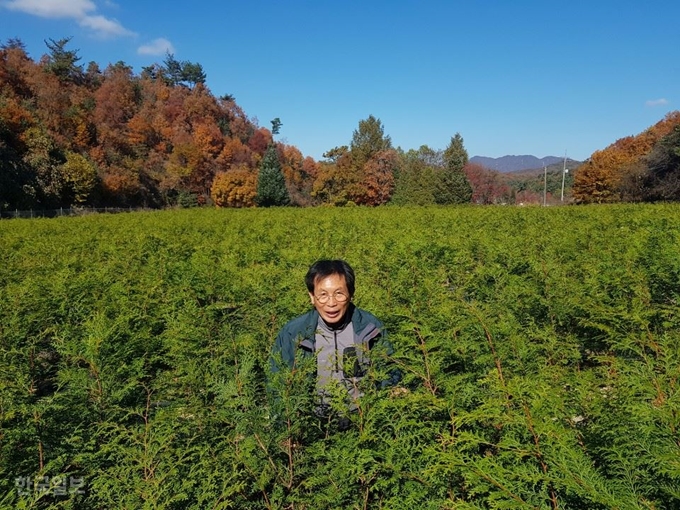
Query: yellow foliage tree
{"type": "Point", "coordinates": [80, 175]}
{"type": "Point", "coordinates": [184, 160]}
{"type": "Point", "coordinates": [236, 187]}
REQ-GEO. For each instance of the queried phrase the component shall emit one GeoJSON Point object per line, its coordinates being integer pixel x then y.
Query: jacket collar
{"type": "Point", "coordinates": [352, 315]}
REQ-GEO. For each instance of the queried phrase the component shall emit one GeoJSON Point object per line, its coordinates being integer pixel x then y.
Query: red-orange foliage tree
{"type": "Point", "coordinates": [259, 141]}
{"type": "Point", "coordinates": [377, 185]}
{"type": "Point", "coordinates": [299, 173]}
{"type": "Point", "coordinates": [487, 185]}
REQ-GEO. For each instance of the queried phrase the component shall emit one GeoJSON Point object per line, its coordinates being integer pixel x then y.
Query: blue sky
{"type": "Point", "coordinates": [512, 77]}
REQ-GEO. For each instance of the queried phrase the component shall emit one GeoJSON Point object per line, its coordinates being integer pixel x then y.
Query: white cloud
{"type": "Point", "coordinates": [657, 102]}
{"type": "Point", "coordinates": [82, 11]}
{"type": "Point", "coordinates": [53, 8]}
{"type": "Point", "coordinates": [158, 46]}
{"type": "Point", "coordinates": [104, 27]}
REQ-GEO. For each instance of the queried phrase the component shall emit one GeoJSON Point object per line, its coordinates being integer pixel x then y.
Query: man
{"type": "Point", "coordinates": [337, 333]}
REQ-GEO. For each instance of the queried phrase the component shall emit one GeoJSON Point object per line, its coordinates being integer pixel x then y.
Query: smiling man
{"type": "Point", "coordinates": [337, 333]}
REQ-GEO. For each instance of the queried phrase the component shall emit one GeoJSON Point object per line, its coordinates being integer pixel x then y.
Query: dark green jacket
{"type": "Point", "coordinates": [300, 333]}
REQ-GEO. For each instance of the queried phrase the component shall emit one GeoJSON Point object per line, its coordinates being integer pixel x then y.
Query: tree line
{"type": "Point", "coordinates": [75, 136]}
{"type": "Point", "coordinates": [640, 168]}
{"type": "Point", "coordinates": [72, 136]}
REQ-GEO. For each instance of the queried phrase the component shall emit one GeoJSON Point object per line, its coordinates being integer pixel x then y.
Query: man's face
{"type": "Point", "coordinates": [331, 298]}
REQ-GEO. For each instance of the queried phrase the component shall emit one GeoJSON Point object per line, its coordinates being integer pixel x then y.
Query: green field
{"type": "Point", "coordinates": [540, 348]}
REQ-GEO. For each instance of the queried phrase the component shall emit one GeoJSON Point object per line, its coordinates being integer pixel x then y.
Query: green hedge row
{"type": "Point", "coordinates": [540, 349]}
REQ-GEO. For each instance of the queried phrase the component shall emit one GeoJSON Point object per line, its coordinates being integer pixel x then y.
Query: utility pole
{"type": "Point", "coordinates": [545, 184]}
{"type": "Point", "coordinates": [564, 173]}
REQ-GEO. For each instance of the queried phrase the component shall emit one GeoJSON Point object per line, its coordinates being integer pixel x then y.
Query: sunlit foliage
{"type": "Point", "coordinates": [539, 348]}
{"type": "Point", "coordinates": [605, 176]}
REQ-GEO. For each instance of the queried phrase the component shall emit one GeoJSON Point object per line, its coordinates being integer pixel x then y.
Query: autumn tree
{"type": "Point", "coordinates": [234, 153]}
{"type": "Point", "coordinates": [183, 162]}
{"type": "Point", "coordinates": [15, 65]}
{"type": "Point", "coordinates": [19, 131]}
{"type": "Point", "coordinates": [44, 158]}
{"type": "Point", "coordinates": [235, 188]}
{"type": "Point", "coordinates": [453, 186]}
{"type": "Point", "coordinates": [55, 94]}
{"type": "Point", "coordinates": [361, 173]}
{"type": "Point", "coordinates": [664, 168]}
{"type": "Point", "coordinates": [116, 103]}
{"type": "Point", "coordinates": [601, 177]}
{"type": "Point", "coordinates": [487, 185]}
{"type": "Point", "coordinates": [121, 184]}
{"type": "Point", "coordinates": [299, 173]}
{"type": "Point", "coordinates": [141, 134]}
{"type": "Point", "coordinates": [271, 186]}
{"type": "Point", "coordinates": [378, 178]}
{"type": "Point", "coordinates": [334, 154]}
{"type": "Point", "coordinates": [597, 180]}
{"type": "Point", "coordinates": [309, 172]}
{"type": "Point", "coordinates": [337, 179]}
{"type": "Point", "coordinates": [208, 138]}
{"type": "Point", "coordinates": [259, 142]}
{"type": "Point", "coordinates": [656, 176]}
{"type": "Point", "coordinates": [193, 140]}
{"type": "Point", "coordinates": [80, 177]}
{"type": "Point", "coordinates": [233, 121]}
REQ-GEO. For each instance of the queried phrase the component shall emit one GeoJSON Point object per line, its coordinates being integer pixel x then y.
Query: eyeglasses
{"type": "Point", "coordinates": [339, 297]}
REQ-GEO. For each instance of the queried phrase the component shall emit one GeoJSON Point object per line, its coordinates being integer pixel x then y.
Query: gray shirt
{"type": "Point", "coordinates": [335, 348]}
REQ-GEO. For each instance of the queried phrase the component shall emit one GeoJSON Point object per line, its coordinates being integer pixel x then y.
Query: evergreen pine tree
{"type": "Point", "coordinates": [271, 186]}
{"type": "Point", "coordinates": [368, 140]}
{"type": "Point", "coordinates": [418, 177]}
{"type": "Point", "coordinates": [62, 62]}
{"type": "Point", "coordinates": [454, 186]}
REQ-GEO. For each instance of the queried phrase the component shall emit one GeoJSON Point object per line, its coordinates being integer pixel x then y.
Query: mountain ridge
{"type": "Point", "coordinates": [511, 163]}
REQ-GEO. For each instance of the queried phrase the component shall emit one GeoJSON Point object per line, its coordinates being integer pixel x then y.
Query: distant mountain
{"type": "Point", "coordinates": [514, 163]}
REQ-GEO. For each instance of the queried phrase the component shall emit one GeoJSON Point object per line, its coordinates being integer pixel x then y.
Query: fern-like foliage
{"type": "Point", "coordinates": [539, 353]}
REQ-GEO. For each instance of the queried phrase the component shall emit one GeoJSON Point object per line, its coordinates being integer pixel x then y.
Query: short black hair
{"type": "Point", "coordinates": [324, 268]}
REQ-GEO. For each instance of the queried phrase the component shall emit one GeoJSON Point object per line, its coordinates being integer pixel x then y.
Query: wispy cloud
{"type": "Point", "coordinates": [158, 46]}
{"type": "Point", "coordinates": [104, 26]}
{"type": "Point", "coordinates": [84, 12]}
{"type": "Point", "coordinates": [657, 102]}
{"type": "Point", "coordinates": [53, 8]}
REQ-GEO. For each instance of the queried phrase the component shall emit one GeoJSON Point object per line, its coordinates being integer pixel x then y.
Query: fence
{"type": "Point", "coordinates": [80, 211]}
